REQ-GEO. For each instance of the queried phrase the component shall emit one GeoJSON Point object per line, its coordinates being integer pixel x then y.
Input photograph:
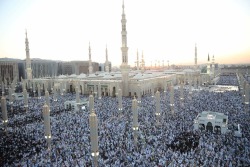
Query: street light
{"type": "Point", "coordinates": [94, 136]}
{"type": "Point", "coordinates": [91, 103]}
{"type": "Point", "coordinates": [39, 91]}
{"type": "Point", "coordinates": [119, 100]}
{"type": "Point", "coordinates": [46, 117]}
{"type": "Point", "coordinates": [4, 112]}
{"type": "Point", "coordinates": [25, 96]}
{"type": "Point", "coordinates": [54, 93]}
{"type": "Point", "coordinates": [135, 126]}
{"type": "Point", "coordinates": [99, 91]}
{"type": "Point", "coordinates": [172, 99]}
{"type": "Point", "coordinates": [2, 89]}
{"type": "Point", "coordinates": [139, 94]}
{"type": "Point", "coordinates": [158, 107]}
{"type": "Point", "coordinates": [47, 97]}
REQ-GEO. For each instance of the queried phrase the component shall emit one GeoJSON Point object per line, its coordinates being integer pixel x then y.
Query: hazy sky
{"type": "Point", "coordinates": [163, 29]}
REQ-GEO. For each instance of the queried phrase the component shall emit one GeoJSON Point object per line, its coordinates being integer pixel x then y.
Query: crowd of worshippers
{"type": "Point", "coordinates": [171, 142]}
{"type": "Point", "coordinates": [228, 80]}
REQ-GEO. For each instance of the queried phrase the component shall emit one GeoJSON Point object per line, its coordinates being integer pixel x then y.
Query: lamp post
{"type": "Point", "coordinates": [94, 136]}
{"type": "Point", "coordinates": [95, 92]}
{"type": "Point", "coordinates": [34, 88]}
{"type": "Point", "coordinates": [45, 86]}
{"type": "Point", "coordinates": [99, 91]}
{"type": "Point", "coordinates": [46, 117]}
{"type": "Point", "coordinates": [165, 89]}
{"type": "Point", "coordinates": [172, 99]}
{"type": "Point", "coordinates": [25, 96]}
{"type": "Point", "coordinates": [158, 107]}
{"type": "Point", "coordinates": [77, 98]}
{"type": "Point", "coordinates": [153, 90]}
{"type": "Point", "coordinates": [2, 89]}
{"type": "Point", "coordinates": [11, 99]}
{"type": "Point", "coordinates": [4, 112]}
{"type": "Point", "coordinates": [54, 93]}
{"type": "Point", "coordinates": [181, 95]}
{"type": "Point", "coordinates": [135, 119]}
{"type": "Point", "coordinates": [61, 87]}
{"type": "Point", "coordinates": [139, 94]}
{"type": "Point", "coordinates": [120, 101]}
{"type": "Point", "coordinates": [47, 97]}
{"type": "Point", "coordinates": [39, 91]}
{"type": "Point", "coordinates": [91, 103]}
{"type": "Point", "coordinates": [247, 97]}
{"type": "Point", "coordinates": [77, 95]}
{"type": "Point", "coordinates": [243, 91]}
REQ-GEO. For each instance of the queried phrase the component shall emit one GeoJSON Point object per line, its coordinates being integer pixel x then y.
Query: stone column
{"type": "Point", "coordinates": [94, 136]}
{"type": "Point", "coordinates": [247, 98]}
{"type": "Point", "coordinates": [39, 91]}
{"type": "Point", "coordinates": [135, 120]}
{"type": "Point", "coordinates": [77, 95]}
{"type": "Point", "coordinates": [2, 89]}
{"type": "Point", "coordinates": [61, 87]}
{"type": "Point", "coordinates": [99, 91]}
{"type": "Point", "coordinates": [4, 112]}
{"type": "Point", "coordinates": [34, 88]}
{"type": "Point", "coordinates": [54, 93]}
{"type": "Point", "coordinates": [139, 94]}
{"type": "Point", "coordinates": [181, 92]}
{"type": "Point", "coordinates": [95, 91]}
{"type": "Point", "coordinates": [11, 99]}
{"type": "Point", "coordinates": [158, 106]}
{"type": "Point", "coordinates": [120, 100]}
{"type": "Point", "coordinates": [47, 98]}
{"type": "Point", "coordinates": [91, 103]}
{"type": "Point", "coordinates": [172, 99]}
{"type": "Point", "coordinates": [46, 117]}
{"type": "Point", "coordinates": [165, 90]}
{"type": "Point", "coordinates": [25, 97]}
{"type": "Point", "coordinates": [45, 86]}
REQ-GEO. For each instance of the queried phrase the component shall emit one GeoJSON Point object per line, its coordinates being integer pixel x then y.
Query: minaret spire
{"type": "Point", "coordinates": [123, 7]}
{"type": "Point", "coordinates": [90, 61]}
{"type": "Point", "coordinates": [124, 47]}
{"type": "Point", "coordinates": [213, 67]}
{"type": "Point", "coordinates": [142, 62]}
{"type": "Point", "coordinates": [124, 66]}
{"type": "Point", "coordinates": [106, 62]}
{"type": "Point", "coordinates": [208, 64]}
{"type": "Point", "coordinates": [137, 60]}
{"type": "Point", "coordinates": [28, 61]}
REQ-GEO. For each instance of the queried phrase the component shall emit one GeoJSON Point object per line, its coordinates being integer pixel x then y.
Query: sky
{"type": "Point", "coordinates": [162, 29]}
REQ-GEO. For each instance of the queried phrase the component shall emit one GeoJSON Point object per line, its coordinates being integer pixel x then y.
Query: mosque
{"type": "Point", "coordinates": [106, 83]}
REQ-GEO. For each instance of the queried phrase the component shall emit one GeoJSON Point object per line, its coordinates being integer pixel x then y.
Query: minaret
{"type": "Point", "coordinates": [106, 62]}
{"type": "Point", "coordinates": [208, 65]}
{"type": "Point", "coordinates": [213, 66]}
{"type": "Point", "coordinates": [124, 66]}
{"type": "Point", "coordinates": [137, 60]}
{"type": "Point", "coordinates": [142, 63]}
{"type": "Point", "coordinates": [195, 56]}
{"type": "Point", "coordinates": [90, 62]}
{"type": "Point", "coordinates": [28, 61]}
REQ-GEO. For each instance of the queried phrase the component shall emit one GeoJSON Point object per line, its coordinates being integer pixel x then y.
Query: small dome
{"type": "Point", "coordinates": [82, 75]}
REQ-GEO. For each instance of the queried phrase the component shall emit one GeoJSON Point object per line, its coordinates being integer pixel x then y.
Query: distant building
{"type": "Point", "coordinates": [44, 68]}
{"type": "Point", "coordinates": [11, 68]}
{"type": "Point", "coordinates": [76, 67]}
{"type": "Point", "coordinates": [102, 66]}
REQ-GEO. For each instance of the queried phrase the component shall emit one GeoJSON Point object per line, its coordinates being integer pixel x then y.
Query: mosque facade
{"type": "Point", "coordinates": [85, 75]}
